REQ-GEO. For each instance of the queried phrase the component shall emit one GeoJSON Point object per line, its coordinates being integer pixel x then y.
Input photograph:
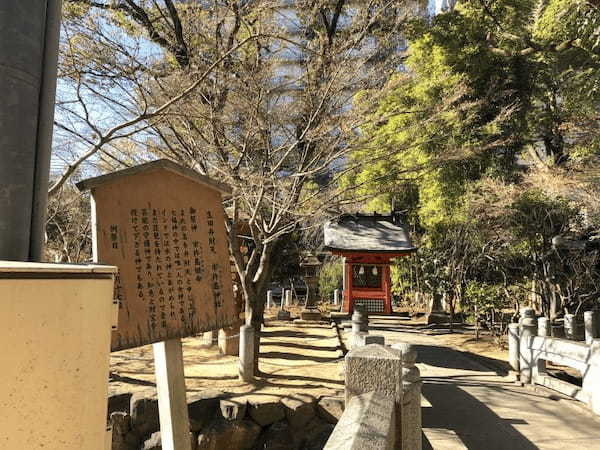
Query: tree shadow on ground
{"type": "Point", "coordinates": [299, 346]}
{"type": "Point", "coordinates": [290, 334]}
{"type": "Point", "coordinates": [115, 377]}
{"type": "Point", "coordinates": [475, 424]}
{"type": "Point", "coordinates": [298, 357]}
{"type": "Point", "coordinates": [303, 378]}
{"type": "Point", "coordinates": [440, 356]}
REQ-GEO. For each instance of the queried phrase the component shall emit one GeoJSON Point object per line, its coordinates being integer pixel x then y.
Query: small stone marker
{"type": "Point", "coordinates": [310, 315]}
{"type": "Point", "coordinates": [336, 297]}
{"type": "Point", "coordinates": [288, 298]}
{"type": "Point", "coordinates": [360, 320]}
{"type": "Point", "coordinates": [543, 326]}
{"type": "Point", "coordinates": [229, 341]}
{"type": "Point", "coordinates": [591, 323]}
{"type": "Point", "coordinates": [208, 338]}
{"type": "Point", "coordinates": [270, 303]}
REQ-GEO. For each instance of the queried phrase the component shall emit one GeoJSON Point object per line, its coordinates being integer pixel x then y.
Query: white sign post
{"type": "Point", "coordinates": [172, 402]}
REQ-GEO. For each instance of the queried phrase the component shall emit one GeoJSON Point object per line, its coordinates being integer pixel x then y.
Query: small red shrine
{"type": "Point", "coordinates": [368, 243]}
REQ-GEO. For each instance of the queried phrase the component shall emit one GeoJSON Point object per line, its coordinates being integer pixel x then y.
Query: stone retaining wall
{"type": "Point", "coordinates": [219, 421]}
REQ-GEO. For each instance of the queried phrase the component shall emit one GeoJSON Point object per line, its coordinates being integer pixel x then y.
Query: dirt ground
{"type": "Point", "coordinates": [296, 360]}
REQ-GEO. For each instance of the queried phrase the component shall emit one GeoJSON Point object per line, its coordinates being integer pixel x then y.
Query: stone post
{"type": "Point", "coordinates": [543, 324]}
{"type": "Point", "coordinates": [336, 297]}
{"type": "Point", "coordinates": [209, 338]}
{"type": "Point", "coordinates": [590, 322]}
{"type": "Point", "coordinates": [375, 368]}
{"type": "Point", "coordinates": [288, 298]}
{"type": "Point", "coordinates": [229, 341]}
{"type": "Point", "coordinates": [360, 320]}
{"type": "Point", "coordinates": [573, 328]}
{"type": "Point", "coordinates": [528, 331]}
{"type": "Point", "coordinates": [246, 360]}
{"type": "Point", "coordinates": [513, 346]}
{"type": "Point", "coordinates": [360, 327]}
{"type": "Point", "coordinates": [411, 398]}
{"type": "Point", "coordinates": [270, 299]}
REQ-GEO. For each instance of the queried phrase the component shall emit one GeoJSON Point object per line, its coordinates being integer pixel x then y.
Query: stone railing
{"type": "Point", "coordinates": [383, 400]}
{"type": "Point", "coordinates": [530, 348]}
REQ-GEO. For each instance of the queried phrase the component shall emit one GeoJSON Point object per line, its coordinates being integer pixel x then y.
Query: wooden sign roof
{"type": "Point", "coordinates": [367, 233]}
{"type": "Point", "coordinates": [159, 164]}
{"type": "Point", "coordinates": [163, 226]}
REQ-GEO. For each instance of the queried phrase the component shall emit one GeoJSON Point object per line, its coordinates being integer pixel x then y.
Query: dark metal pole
{"type": "Point", "coordinates": [29, 32]}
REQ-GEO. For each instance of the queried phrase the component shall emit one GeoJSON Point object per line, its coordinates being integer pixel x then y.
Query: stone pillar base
{"type": "Point", "coordinates": [313, 315]}
{"type": "Point", "coordinates": [282, 314]}
{"type": "Point", "coordinates": [437, 317]}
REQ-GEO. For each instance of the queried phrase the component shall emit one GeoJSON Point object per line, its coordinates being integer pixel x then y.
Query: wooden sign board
{"type": "Point", "coordinates": [163, 226]}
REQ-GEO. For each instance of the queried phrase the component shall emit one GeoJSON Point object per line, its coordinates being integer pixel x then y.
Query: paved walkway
{"type": "Point", "coordinates": [467, 405]}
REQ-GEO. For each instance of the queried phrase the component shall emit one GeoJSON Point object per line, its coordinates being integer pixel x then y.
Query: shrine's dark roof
{"type": "Point", "coordinates": [159, 164]}
{"type": "Point", "coordinates": [367, 233]}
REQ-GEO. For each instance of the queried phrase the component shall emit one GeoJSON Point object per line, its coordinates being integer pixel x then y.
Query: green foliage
{"type": "Point", "coordinates": [331, 277]}
{"type": "Point", "coordinates": [486, 87]}
{"type": "Point", "coordinates": [534, 219]}
{"type": "Point", "coordinates": [484, 298]}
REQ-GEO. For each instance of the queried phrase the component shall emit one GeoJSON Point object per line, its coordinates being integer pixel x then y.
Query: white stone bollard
{"type": "Point", "coordinates": [270, 303]}
{"type": "Point", "coordinates": [288, 298]}
{"type": "Point", "coordinates": [543, 327]}
{"type": "Point", "coordinates": [590, 321]}
{"type": "Point", "coordinates": [336, 297]}
{"type": "Point", "coordinates": [526, 361]}
{"type": "Point", "coordinates": [209, 338]}
{"type": "Point", "coordinates": [411, 398]}
{"type": "Point", "coordinates": [246, 360]}
{"type": "Point", "coordinates": [513, 346]}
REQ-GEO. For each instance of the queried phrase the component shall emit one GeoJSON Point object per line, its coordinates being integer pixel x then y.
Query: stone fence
{"type": "Point", "coordinates": [530, 348]}
{"type": "Point", "coordinates": [383, 400]}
